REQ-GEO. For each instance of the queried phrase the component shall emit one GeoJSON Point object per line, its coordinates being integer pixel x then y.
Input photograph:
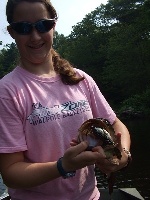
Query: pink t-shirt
{"type": "Point", "coordinates": [40, 116]}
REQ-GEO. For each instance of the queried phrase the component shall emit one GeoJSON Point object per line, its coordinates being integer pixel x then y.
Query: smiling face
{"type": "Point", "coordinates": [35, 47]}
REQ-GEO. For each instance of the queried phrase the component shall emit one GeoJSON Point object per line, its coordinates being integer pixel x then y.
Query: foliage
{"type": "Point", "coordinates": [112, 44]}
{"type": "Point", "coordinates": [139, 102]}
{"type": "Point", "coordinates": [8, 59]}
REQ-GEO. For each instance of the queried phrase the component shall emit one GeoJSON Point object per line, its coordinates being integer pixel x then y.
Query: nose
{"type": "Point", "coordinates": [35, 35]}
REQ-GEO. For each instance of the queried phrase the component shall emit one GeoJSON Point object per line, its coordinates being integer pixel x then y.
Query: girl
{"type": "Point", "coordinates": [43, 102]}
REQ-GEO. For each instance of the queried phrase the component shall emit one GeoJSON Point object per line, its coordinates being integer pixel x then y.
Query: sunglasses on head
{"type": "Point", "coordinates": [25, 28]}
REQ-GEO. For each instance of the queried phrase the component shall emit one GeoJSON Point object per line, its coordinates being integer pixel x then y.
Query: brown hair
{"type": "Point", "coordinates": [61, 66]}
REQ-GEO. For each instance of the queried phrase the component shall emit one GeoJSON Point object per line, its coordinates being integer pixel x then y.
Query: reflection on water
{"type": "Point", "coordinates": [138, 174]}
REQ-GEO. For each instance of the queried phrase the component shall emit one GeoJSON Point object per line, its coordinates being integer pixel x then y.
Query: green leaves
{"type": "Point", "coordinates": [112, 44]}
{"type": "Point", "coordinates": [8, 59]}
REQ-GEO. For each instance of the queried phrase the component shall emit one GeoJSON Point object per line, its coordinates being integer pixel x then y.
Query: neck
{"type": "Point", "coordinates": [45, 69]}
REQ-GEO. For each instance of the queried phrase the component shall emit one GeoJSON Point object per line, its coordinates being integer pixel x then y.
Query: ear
{"type": "Point", "coordinates": [10, 31]}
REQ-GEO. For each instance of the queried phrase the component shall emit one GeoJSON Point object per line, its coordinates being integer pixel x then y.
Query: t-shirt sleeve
{"type": "Point", "coordinates": [12, 138]}
{"type": "Point", "coordinates": [99, 105]}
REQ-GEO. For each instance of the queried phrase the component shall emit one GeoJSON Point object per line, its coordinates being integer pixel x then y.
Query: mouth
{"type": "Point", "coordinates": [36, 46]}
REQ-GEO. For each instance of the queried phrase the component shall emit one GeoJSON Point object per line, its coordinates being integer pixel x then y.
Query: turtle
{"type": "Point", "coordinates": [99, 132]}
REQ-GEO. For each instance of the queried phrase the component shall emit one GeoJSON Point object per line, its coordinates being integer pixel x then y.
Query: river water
{"type": "Point", "coordinates": [138, 174]}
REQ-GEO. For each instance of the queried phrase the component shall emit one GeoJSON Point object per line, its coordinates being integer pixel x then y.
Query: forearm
{"type": "Point", "coordinates": [26, 175]}
{"type": "Point", "coordinates": [119, 127]}
{"type": "Point", "coordinates": [19, 174]}
{"type": "Point", "coordinates": [125, 142]}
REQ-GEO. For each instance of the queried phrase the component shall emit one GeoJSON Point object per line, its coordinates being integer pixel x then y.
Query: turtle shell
{"type": "Point", "coordinates": [99, 132]}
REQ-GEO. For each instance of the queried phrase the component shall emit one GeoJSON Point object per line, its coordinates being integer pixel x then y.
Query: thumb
{"type": "Point", "coordinates": [75, 150]}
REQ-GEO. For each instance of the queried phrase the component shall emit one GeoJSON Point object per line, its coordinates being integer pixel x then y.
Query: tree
{"type": "Point", "coordinates": [8, 58]}
{"type": "Point", "coordinates": [128, 58]}
{"type": "Point", "coordinates": [112, 44]}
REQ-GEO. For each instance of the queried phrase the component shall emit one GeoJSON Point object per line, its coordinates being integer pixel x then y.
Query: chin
{"type": "Point", "coordinates": [38, 60]}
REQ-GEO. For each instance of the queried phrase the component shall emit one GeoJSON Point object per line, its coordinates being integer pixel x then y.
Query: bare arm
{"type": "Point", "coordinates": [119, 127]}
{"type": "Point", "coordinates": [124, 142]}
{"type": "Point", "coordinates": [19, 174]}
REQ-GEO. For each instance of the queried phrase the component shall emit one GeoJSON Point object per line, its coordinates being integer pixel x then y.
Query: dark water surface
{"type": "Point", "coordinates": [138, 174]}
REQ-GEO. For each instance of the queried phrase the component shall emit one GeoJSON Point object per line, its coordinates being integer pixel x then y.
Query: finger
{"type": "Point", "coordinates": [74, 142]}
{"type": "Point", "coordinates": [100, 150]}
{"type": "Point", "coordinates": [77, 149]}
{"type": "Point", "coordinates": [118, 136]}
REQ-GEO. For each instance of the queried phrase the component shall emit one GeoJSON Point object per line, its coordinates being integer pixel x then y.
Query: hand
{"type": "Point", "coordinates": [76, 157]}
{"type": "Point", "coordinates": [105, 165]}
